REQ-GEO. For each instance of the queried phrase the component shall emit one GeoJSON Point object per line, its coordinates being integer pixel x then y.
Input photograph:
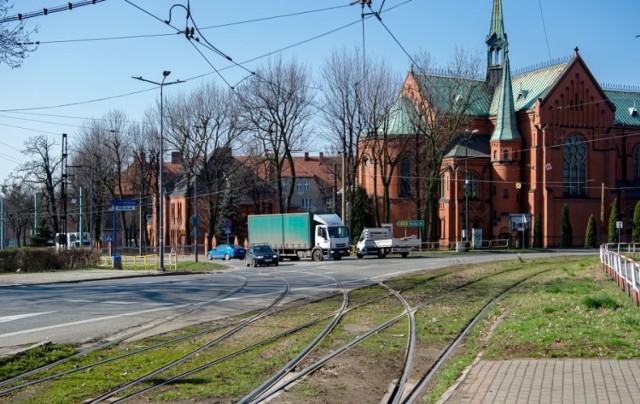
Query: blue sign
{"type": "Point", "coordinates": [124, 202]}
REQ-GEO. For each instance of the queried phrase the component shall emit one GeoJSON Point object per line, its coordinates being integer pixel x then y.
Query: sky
{"type": "Point", "coordinates": [84, 64]}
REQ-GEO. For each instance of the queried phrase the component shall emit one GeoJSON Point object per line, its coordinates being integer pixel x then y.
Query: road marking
{"type": "Point", "coordinates": [91, 320]}
{"type": "Point", "coordinates": [6, 319]}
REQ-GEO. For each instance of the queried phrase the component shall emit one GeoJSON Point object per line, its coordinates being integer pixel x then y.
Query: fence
{"type": "Point", "coordinates": [140, 262]}
{"type": "Point", "coordinates": [617, 260]}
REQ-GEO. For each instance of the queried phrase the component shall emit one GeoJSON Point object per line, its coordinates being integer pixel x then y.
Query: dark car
{"type": "Point", "coordinates": [226, 252]}
{"type": "Point", "coordinates": [261, 254]}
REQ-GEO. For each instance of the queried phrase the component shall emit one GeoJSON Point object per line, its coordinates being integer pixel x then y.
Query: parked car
{"type": "Point", "coordinates": [261, 254]}
{"type": "Point", "coordinates": [226, 252]}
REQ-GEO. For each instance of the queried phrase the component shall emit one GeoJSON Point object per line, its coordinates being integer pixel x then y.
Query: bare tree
{"type": "Point", "coordinates": [444, 99]}
{"type": "Point", "coordinates": [14, 41]}
{"type": "Point", "coordinates": [203, 127]}
{"type": "Point", "coordinates": [43, 173]}
{"type": "Point", "coordinates": [277, 109]}
{"type": "Point", "coordinates": [378, 96]}
{"type": "Point", "coordinates": [342, 75]}
{"type": "Point", "coordinates": [19, 209]}
{"type": "Point", "coordinates": [105, 150]}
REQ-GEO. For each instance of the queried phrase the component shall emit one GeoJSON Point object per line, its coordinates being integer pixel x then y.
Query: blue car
{"type": "Point", "coordinates": [226, 252]}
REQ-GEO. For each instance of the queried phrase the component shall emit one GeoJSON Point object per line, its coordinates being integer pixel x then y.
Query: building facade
{"type": "Point", "coordinates": [534, 141]}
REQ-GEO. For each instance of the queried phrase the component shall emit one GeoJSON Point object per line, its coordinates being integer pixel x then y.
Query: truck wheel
{"type": "Point", "coordinates": [404, 255]}
{"type": "Point", "coordinates": [381, 254]}
{"type": "Point", "coordinates": [359, 255]}
{"type": "Point", "coordinates": [316, 255]}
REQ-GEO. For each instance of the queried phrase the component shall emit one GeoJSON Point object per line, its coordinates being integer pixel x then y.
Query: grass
{"type": "Point", "coordinates": [568, 309]}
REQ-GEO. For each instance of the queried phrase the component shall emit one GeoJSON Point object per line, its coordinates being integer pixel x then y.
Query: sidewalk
{"type": "Point", "coordinates": [33, 278]}
{"type": "Point", "coordinates": [548, 381]}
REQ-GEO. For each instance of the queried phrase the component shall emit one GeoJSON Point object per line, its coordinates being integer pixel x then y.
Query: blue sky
{"type": "Point", "coordinates": [71, 68]}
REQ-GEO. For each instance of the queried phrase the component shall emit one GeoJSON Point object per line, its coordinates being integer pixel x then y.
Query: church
{"type": "Point", "coordinates": [535, 141]}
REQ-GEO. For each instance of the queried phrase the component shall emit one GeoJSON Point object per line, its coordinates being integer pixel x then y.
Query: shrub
{"type": "Point", "coordinates": [566, 233]}
{"type": "Point", "coordinates": [590, 239]}
{"type": "Point", "coordinates": [613, 218]}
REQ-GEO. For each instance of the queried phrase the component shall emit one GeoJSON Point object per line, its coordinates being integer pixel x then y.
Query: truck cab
{"type": "Point", "coordinates": [331, 236]}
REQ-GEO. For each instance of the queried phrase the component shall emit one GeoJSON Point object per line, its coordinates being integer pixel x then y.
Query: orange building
{"type": "Point", "coordinates": [535, 141]}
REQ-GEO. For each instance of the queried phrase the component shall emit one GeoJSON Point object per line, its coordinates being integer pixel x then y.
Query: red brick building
{"type": "Point", "coordinates": [536, 140]}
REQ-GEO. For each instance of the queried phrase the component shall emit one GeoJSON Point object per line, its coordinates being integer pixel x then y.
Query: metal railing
{"type": "Point", "coordinates": [618, 261]}
{"type": "Point", "coordinates": [140, 262]}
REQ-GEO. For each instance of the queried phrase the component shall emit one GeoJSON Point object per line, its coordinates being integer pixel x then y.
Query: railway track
{"type": "Point", "coordinates": [404, 386]}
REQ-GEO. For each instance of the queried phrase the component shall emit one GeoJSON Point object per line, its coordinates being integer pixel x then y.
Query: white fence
{"type": "Point", "coordinates": [617, 260]}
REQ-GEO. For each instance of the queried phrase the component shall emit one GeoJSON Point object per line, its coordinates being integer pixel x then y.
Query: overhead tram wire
{"type": "Point", "coordinates": [46, 11]}
{"type": "Point", "coordinates": [16, 110]}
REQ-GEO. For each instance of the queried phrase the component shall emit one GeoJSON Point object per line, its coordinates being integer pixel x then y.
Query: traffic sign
{"type": "Point", "coordinates": [410, 223]}
{"type": "Point", "coordinates": [124, 202]}
{"type": "Point", "coordinates": [124, 208]}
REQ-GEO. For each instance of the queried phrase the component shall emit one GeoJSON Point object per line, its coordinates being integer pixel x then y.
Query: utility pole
{"type": "Point", "coordinates": [63, 194]}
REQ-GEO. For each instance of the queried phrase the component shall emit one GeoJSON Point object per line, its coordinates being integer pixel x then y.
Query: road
{"type": "Point", "coordinates": [87, 311]}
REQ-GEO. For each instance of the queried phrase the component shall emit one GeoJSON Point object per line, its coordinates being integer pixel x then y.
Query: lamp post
{"type": "Point", "coordinates": [161, 164]}
{"type": "Point", "coordinates": [466, 183]}
{"type": "Point", "coordinates": [196, 220]}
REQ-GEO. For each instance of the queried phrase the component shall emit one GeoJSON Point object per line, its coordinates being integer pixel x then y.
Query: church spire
{"type": "Point", "coordinates": [496, 44]}
{"type": "Point", "coordinates": [506, 125]}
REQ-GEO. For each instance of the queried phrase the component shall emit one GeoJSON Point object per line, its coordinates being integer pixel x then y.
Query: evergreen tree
{"type": "Point", "coordinates": [44, 235]}
{"type": "Point", "coordinates": [361, 213]}
{"type": "Point", "coordinates": [590, 237]}
{"type": "Point", "coordinates": [635, 231]}
{"type": "Point", "coordinates": [613, 218]}
{"type": "Point", "coordinates": [566, 233]}
{"type": "Point", "coordinates": [537, 232]}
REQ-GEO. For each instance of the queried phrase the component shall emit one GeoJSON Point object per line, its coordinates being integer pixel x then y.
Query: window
{"type": "Point", "coordinates": [574, 166]}
{"type": "Point", "coordinates": [636, 162]}
{"type": "Point", "coordinates": [306, 203]}
{"type": "Point", "coordinates": [405, 178]}
{"type": "Point", "coordinates": [505, 155]}
{"type": "Point", "coordinates": [302, 185]}
{"type": "Point", "coordinates": [471, 186]}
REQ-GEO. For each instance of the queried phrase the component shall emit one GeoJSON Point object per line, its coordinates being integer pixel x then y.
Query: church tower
{"type": "Point", "coordinates": [506, 151]}
{"type": "Point", "coordinates": [496, 46]}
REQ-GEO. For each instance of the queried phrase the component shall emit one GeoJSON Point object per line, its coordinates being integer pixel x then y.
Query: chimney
{"type": "Point", "coordinates": [176, 157]}
{"type": "Point", "coordinates": [320, 158]}
{"type": "Point", "coordinates": [306, 156]}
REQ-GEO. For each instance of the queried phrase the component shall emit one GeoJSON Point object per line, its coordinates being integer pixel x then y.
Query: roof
{"type": "Point", "coordinates": [438, 89]}
{"type": "Point", "coordinates": [402, 118]}
{"type": "Point", "coordinates": [506, 125]}
{"type": "Point", "coordinates": [627, 104]}
{"type": "Point", "coordinates": [476, 147]}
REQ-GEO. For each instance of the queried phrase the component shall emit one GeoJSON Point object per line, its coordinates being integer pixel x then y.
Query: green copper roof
{"type": "Point", "coordinates": [496, 38]}
{"type": "Point", "coordinates": [402, 118]}
{"type": "Point", "coordinates": [506, 125]}
{"type": "Point", "coordinates": [627, 104]}
{"type": "Point", "coordinates": [450, 93]}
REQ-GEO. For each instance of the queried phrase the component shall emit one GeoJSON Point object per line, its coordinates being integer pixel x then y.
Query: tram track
{"type": "Point", "coordinates": [291, 372]}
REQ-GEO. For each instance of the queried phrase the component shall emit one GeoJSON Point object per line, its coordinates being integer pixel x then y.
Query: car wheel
{"type": "Point", "coordinates": [226, 257]}
{"type": "Point", "coordinates": [276, 263]}
{"type": "Point", "coordinates": [359, 255]}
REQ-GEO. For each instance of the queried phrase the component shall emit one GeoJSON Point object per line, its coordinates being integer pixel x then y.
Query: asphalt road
{"type": "Point", "coordinates": [86, 311]}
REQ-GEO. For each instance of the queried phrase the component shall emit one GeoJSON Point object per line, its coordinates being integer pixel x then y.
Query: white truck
{"type": "Point", "coordinates": [380, 241]}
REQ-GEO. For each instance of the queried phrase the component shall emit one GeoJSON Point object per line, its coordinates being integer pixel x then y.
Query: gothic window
{"type": "Point", "coordinates": [636, 162]}
{"type": "Point", "coordinates": [505, 155]}
{"type": "Point", "coordinates": [574, 166]}
{"type": "Point", "coordinates": [471, 186]}
{"type": "Point", "coordinates": [405, 178]}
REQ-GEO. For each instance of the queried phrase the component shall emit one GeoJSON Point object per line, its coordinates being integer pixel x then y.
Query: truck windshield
{"type": "Point", "coordinates": [338, 232]}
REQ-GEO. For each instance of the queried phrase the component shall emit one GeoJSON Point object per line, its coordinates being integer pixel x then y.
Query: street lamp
{"type": "Point", "coordinates": [466, 183]}
{"type": "Point", "coordinates": [161, 163]}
